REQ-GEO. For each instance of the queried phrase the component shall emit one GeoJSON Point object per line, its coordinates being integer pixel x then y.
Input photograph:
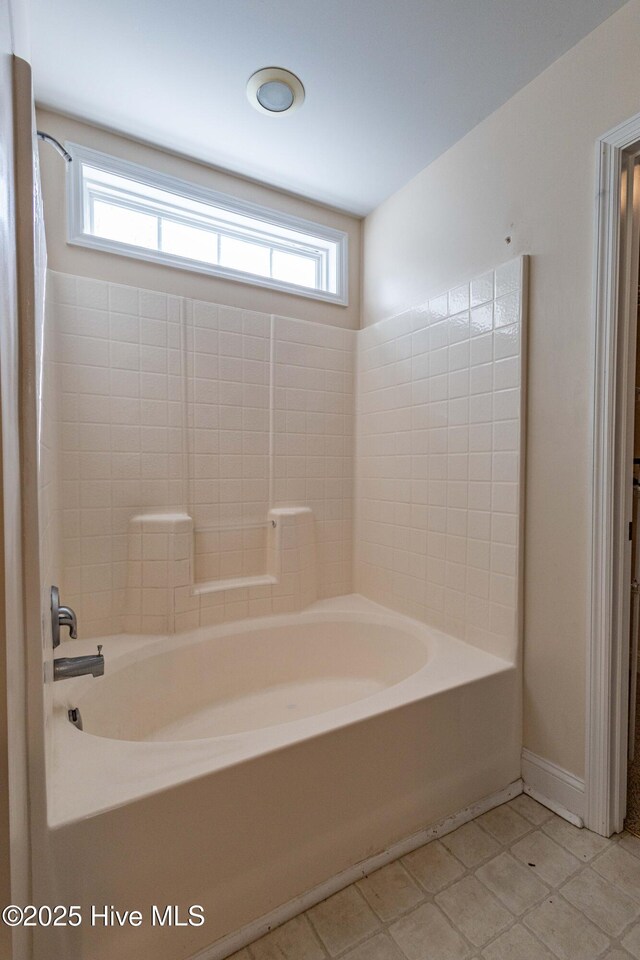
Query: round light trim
{"type": "Point", "coordinates": [275, 96]}
{"type": "Point", "coordinates": [275, 91]}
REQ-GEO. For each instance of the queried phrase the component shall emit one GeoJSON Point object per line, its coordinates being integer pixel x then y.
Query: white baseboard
{"type": "Point", "coordinates": [554, 787]}
{"type": "Point", "coordinates": [257, 928]}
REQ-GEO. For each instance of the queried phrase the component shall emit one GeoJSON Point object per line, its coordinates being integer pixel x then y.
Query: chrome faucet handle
{"type": "Point", "coordinates": [99, 649]}
{"type": "Point", "coordinates": [61, 616]}
{"type": "Point", "coordinates": [67, 618]}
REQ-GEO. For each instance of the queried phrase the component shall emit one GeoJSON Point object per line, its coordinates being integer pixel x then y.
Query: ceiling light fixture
{"type": "Point", "coordinates": [275, 91]}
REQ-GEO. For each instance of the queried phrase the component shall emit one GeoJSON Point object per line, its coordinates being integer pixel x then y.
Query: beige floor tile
{"type": "Point", "coordinates": [567, 933]}
{"type": "Point", "coordinates": [516, 885]}
{"type": "Point", "coordinates": [598, 901]}
{"type": "Point", "coordinates": [551, 862]}
{"type": "Point", "coordinates": [426, 933]}
{"type": "Point", "coordinates": [608, 906]}
{"type": "Point", "coordinates": [343, 920]}
{"type": "Point", "coordinates": [529, 808]}
{"type": "Point", "coordinates": [620, 867]}
{"type": "Point", "coordinates": [380, 947]}
{"type": "Point", "coordinates": [294, 940]}
{"type": "Point", "coordinates": [632, 941]}
{"type": "Point", "coordinates": [433, 866]}
{"type": "Point", "coordinates": [581, 843]}
{"type": "Point", "coordinates": [630, 843]}
{"type": "Point", "coordinates": [473, 910]}
{"type": "Point", "coordinates": [390, 891]}
{"type": "Point", "coordinates": [517, 944]}
{"type": "Point", "coordinates": [504, 823]}
{"type": "Point", "coordinates": [471, 844]}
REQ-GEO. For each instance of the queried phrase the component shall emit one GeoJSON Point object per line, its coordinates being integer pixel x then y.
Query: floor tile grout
{"type": "Point", "coordinates": [352, 907]}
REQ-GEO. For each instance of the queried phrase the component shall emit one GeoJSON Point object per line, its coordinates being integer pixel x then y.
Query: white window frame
{"type": "Point", "coordinates": [77, 235]}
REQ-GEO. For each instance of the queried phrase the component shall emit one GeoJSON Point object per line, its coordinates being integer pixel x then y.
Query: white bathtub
{"type": "Point", "coordinates": [241, 766]}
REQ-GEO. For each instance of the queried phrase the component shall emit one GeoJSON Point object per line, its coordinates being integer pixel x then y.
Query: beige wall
{"type": "Point", "coordinates": [7, 279]}
{"type": "Point", "coordinates": [15, 880]}
{"type": "Point", "coordinates": [7, 322]}
{"type": "Point", "coordinates": [80, 261]}
{"type": "Point", "coordinates": [31, 637]}
{"type": "Point", "coordinates": [21, 796]}
{"type": "Point", "coordinates": [528, 172]}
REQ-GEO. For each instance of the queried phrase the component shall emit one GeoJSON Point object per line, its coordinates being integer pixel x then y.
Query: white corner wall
{"type": "Point", "coordinates": [439, 496]}
{"type": "Point", "coordinates": [528, 172]}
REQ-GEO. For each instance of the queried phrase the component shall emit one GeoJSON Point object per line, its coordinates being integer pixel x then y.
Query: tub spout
{"type": "Point", "coordinates": [65, 667]}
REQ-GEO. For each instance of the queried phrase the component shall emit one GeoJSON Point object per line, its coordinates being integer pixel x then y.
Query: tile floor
{"type": "Point", "coordinates": [518, 883]}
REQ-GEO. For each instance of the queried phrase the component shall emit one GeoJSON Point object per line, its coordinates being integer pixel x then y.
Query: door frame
{"type": "Point", "coordinates": [607, 640]}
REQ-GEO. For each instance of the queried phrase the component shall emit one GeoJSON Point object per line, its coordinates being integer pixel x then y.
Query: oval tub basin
{"type": "Point", "coordinates": [257, 678]}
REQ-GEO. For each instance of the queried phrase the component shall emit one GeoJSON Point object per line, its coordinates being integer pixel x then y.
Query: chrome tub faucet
{"type": "Point", "coordinates": [65, 667]}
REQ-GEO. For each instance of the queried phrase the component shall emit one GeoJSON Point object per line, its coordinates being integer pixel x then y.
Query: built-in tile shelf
{"type": "Point", "coordinates": [165, 404]}
{"type": "Point", "coordinates": [162, 595]}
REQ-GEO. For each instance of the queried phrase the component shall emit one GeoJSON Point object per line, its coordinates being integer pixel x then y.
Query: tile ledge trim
{"type": "Point", "coordinates": [234, 942]}
{"type": "Point", "coordinates": [234, 583]}
{"type": "Point", "coordinates": [553, 787]}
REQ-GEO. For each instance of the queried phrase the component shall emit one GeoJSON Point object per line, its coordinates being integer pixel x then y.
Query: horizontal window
{"type": "Point", "coordinates": [124, 208]}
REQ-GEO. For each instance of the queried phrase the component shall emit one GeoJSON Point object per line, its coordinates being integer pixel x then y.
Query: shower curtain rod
{"type": "Point", "coordinates": [54, 143]}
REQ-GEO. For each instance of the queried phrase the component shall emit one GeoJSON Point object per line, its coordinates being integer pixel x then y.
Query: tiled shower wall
{"type": "Point", "coordinates": [438, 490]}
{"type": "Point", "coordinates": [168, 404]}
{"type": "Point", "coordinates": [313, 437]}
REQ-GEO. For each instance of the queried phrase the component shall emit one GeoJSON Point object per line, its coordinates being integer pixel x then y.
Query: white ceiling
{"type": "Point", "coordinates": [390, 84]}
